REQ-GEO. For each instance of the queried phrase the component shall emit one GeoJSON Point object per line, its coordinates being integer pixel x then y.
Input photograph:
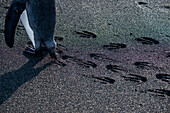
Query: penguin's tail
{"type": "Point", "coordinates": [11, 20]}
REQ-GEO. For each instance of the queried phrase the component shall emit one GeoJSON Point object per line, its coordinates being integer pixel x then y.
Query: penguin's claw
{"type": "Point", "coordinates": [53, 55]}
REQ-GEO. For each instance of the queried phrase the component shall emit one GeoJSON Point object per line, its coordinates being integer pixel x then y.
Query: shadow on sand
{"type": "Point", "coordinates": [9, 82]}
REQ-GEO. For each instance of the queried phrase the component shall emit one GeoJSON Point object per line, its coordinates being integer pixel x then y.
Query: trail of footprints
{"type": "Point", "coordinates": [116, 68]}
{"type": "Point", "coordinates": [145, 4]}
{"type": "Point", "coordinates": [119, 69]}
{"type": "Point", "coordinates": [113, 68]}
{"type": "Point", "coordinates": [129, 77]}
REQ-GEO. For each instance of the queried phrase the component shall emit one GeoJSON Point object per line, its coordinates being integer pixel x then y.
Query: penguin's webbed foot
{"type": "Point", "coordinates": [53, 55]}
{"type": "Point", "coordinates": [29, 51]}
{"type": "Point", "coordinates": [33, 52]}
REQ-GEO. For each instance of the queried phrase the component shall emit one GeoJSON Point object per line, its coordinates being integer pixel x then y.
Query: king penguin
{"type": "Point", "coordinates": [38, 18]}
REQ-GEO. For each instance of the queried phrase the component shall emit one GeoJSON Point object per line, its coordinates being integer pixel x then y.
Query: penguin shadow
{"type": "Point", "coordinates": [11, 81]}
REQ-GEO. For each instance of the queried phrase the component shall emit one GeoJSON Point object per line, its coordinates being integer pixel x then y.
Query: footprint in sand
{"type": "Point", "coordinates": [135, 78]}
{"type": "Point", "coordinates": [168, 55]}
{"type": "Point", "coordinates": [59, 63]}
{"type": "Point", "coordinates": [56, 38]}
{"type": "Point", "coordinates": [86, 34]}
{"type": "Point", "coordinates": [159, 92]}
{"type": "Point", "coordinates": [142, 64]}
{"type": "Point", "coordinates": [87, 64]}
{"type": "Point", "coordinates": [167, 36]}
{"type": "Point", "coordinates": [65, 57]}
{"type": "Point", "coordinates": [167, 52]}
{"type": "Point", "coordinates": [113, 46]}
{"type": "Point", "coordinates": [95, 55]}
{"type": "Point", "coordinates": [145, 65]}
{"type": "Point", "coordinates": [143, 4]}
{"type": "Point", "coordinates": [147, 40]}
{"type": "Point", "coordinates": [163, 77]}
{"type": "Point", "coordinates": [103, 80]}
{"type": "Point", "coordinates": [98, 56]}
{"type": "Point", "coordinates": [114, 68]}
{"type": "Point", "coordinates": [80, 62]}
{"type": "Point", "coordinates": [6, 7]}
{"type": "Point", "coordinates": [165, 8]}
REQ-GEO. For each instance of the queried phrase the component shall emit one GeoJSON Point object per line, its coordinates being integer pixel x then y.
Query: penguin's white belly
{"type": "Point", "coordinates": [25, 22]}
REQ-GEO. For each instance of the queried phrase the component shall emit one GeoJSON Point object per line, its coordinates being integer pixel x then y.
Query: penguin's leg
{"type": "Point", "coordinates": [38, 49]}
{"type": "Point", "coordinates": [51, 46]}
{"type": "Point", "coordinates": [53, 53]}
{"type": "Point", "coordinates": [11, 20]}
{"type": "Point", "coordinates": [36, 44]}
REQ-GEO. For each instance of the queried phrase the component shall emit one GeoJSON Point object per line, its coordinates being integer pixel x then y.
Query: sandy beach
{"type": "Point", "coordinates": [115, 57]}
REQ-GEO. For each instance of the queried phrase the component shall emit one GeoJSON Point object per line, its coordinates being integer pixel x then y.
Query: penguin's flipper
{"type": "Point", "coordinates": [11, 21]}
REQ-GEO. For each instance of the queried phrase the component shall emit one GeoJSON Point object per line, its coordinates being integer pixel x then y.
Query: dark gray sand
{"type": "Point", "coordinates": [116, 58]}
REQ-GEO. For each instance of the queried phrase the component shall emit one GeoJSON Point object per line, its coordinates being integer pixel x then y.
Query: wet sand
{"type": "Point", "coordinates": [115, 58]}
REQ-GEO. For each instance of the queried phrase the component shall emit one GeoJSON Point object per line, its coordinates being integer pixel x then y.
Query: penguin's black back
{"type": "Point", "coordinates": [42, 18]}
